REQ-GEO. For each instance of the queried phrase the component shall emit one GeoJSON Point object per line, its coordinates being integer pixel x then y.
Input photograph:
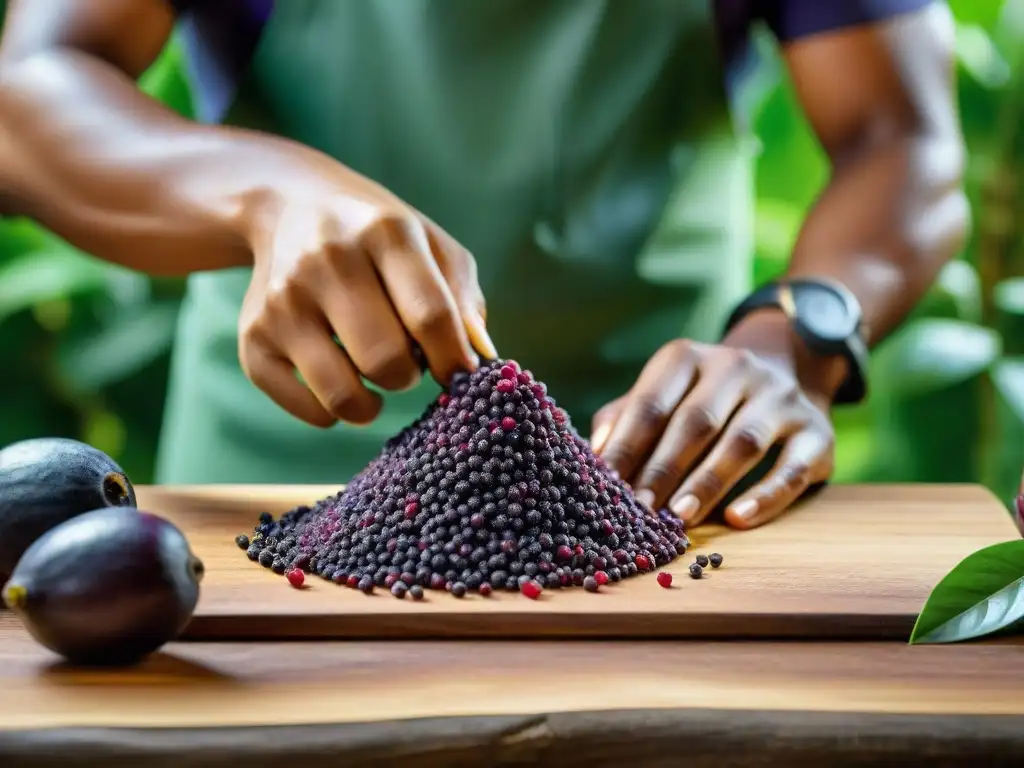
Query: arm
{"type": "Point", "coordinates": [86, 154]}
{"type": "Point", "coordinates": [881, 98]}
{"type": "Point", "coordinates": [701, 417]}
{"type": "Point", "coordinates": [89, 156]}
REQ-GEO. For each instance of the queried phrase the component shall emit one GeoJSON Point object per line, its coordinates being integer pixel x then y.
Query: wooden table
{"type": "Point", "coordinates": [459, 703]}
{"type": "Point", "coordinates": [481, 702]}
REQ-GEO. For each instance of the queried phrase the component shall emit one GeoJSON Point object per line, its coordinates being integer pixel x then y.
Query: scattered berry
{"type": "Point", "coordinates": [398, 589]}
{"type": "Point", "coordinates": [416, 591]}
{"type": "Point", "coordinates": [459, 589]}
{"type": "Point", "coordinates": [702, 561]}
{"type": "Point", "coordinates": [491, 488]}
{"type": "Point", "coordinates": [590, 584]}
{"type": "Point", "coordinates": [665, 579]}
{"type": "Point", "coordinates": [242, 541]}
{"type": "Point", "coordinates": [296, 577]}
{"type": "Point", "coordinates": [716, 559]}
{"type": "Point", "coordinates": [696, 571]}
{"type": "Point", "coordinates": [531, 589]}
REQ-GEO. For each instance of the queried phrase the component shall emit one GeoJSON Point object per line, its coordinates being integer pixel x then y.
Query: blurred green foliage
{"type": "Point", "coordinates": [86, 345]}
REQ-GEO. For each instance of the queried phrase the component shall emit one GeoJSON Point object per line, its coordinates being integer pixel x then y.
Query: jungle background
{"type": "Point", "coordinates": [85, 346]}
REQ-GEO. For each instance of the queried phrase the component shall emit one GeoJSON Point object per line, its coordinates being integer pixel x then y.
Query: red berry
{"type": "Point", "coordinates": [523, 378]}
{"type": "Point", "coordinates": [602, 578]}
{"type": "Point", "coordinates": [505, 386]}
{"type": "Point", "coordinates": [508, 423]}
{"type": "Point", "coordinates": [352, 581]}
{"type": "Point", "coordinates": [531, 589]}
{"type": "Point", "coordinates": [485, 589]}
{"type": "Point", "coordinates": [642, 562]}
{"type": "Point", "coordinates": [508, 372]}
{"type": "Point", "coordinates": [563, 553]}
{"type": "Point", "coordinates": [295, 577]}
{"type": "Point", "coordinates": [665, 579]}
{"type": "Point", "coordinates": [411, 509]}
{"type": "Point", "coordinates": [444, 399]}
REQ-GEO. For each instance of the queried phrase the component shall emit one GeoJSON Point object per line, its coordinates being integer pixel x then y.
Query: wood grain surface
{"type": "Point", "coordinates": [853, 561]}
{"type": "Point", "coordinates": [489, 702]}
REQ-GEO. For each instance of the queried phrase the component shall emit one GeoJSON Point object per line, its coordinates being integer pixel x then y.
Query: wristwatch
{"type": "Point", "coordinates": [827, 318]}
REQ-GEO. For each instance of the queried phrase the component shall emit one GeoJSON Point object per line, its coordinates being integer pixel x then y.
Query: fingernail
{"type": "Point", "coordinates": [646, 498]}
{"type": "Point", "coordinates": [686, 506]}
{"type": "Point", "coordinates": [599, 437]}
{"type": "Point", "coordinates": [480, 338]}
{"type": "Point", "coordinates": [745, 508]}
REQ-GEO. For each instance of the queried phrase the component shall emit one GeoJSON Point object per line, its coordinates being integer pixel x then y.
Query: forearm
{"type": "Point", "coordinates": [884, 226]}
{"type": "Point", "coordinates": [89, 156]}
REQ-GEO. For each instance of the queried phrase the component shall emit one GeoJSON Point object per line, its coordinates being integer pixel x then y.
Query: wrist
{"type": "Point", "coordinates": [769, 334]}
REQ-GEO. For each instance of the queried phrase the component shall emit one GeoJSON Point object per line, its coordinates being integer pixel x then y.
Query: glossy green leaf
{"type": "Point", "coordinates": [931, 354]}
{"type": "Point", "coordinates": [136, 337]}
{"type": "Point", "coordinates": [45, 276]}
{"type": "Point", "coordinates": [983, 594]}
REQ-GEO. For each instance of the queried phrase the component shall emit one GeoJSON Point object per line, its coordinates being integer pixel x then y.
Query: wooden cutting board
{"type": "Point", "coordinates": [853, 561]}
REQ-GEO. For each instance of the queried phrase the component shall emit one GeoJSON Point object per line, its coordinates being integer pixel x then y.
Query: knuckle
{"type": "Point", "coordinates": [428, 317]}
{"type": "Point", "coordinates": [679, 348]}
{"type": "Point", "coordinates": [622, 453]}
{"type": "Point", "coordinates": [342, 403]}
{"type": "Point", "coordinates": [749, 441]}
{"type": "Point", "coordinates": [795, 477]}
{"type": "Point", "coordinates": [790, 395]}
{"type": "Point", "coordinates": [701, 423]}
{"type": "Point", "coordinates": [708, 485]}
{"type": "Point", "coordinates": [391, 368]}
{"type": "Point", "coordinates": [648, 408]}
{"type": "Point", "coordinates": [658, 475]}
{"type": "Point", "coordinates": [389, 228]}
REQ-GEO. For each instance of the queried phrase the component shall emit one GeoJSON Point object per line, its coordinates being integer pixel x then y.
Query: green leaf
{"type": "Point", "coordinates": [931, 354]}
{"type": "Point", "coordinates": [45, 276]}
{"type": "Point", "coordinates": [983, 594]}
{"type": "Point", "coordinates": [137, 337]}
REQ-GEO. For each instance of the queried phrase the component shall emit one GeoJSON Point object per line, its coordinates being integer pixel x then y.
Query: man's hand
{"type": "Point", "coordinates": [700, 417]}
{"type": "Point", "coordinates": [350, 260]}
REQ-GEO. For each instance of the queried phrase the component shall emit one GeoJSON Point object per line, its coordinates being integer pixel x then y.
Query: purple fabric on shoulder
{"type": "Point", "coordinates": [221, 35]}
{"type": "Point", "coordinates": [792, 19]}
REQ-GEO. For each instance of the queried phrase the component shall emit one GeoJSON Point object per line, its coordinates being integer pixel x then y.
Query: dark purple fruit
{"type": "Point", "coordinates": [107, 587]}
{"type": "Point", "coordinates": [48, 480]}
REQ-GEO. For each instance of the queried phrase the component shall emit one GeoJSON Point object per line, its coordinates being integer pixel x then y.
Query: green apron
{"type": "Point", "coordinates": [581, 149]}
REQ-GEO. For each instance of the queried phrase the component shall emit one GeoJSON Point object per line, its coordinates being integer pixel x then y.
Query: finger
{"type": "Point", "coordinates": [364, 320]}
{"type": "Point", "coordinates": [806, 459]}
{"type": "Point", "coordinates": [459, 269]}
{"type": "Point", "coordinates": [420, 295]}
{"type": "Point", "coordinates": [603, 421]}
{"type": "Point", "coordinates": [694, 426]}
{"type": "Point", "coordinates": [333, 378]}
{"type": "Point", "coordinates": [275, 376]}
{"type": "Point", "coordinates": [755, 428]}
{"type": "Point", "coordinates": [648, 408]}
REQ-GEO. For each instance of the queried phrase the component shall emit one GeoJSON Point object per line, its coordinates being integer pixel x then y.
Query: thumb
{"type": "Point", "coordinates": [603, 421]}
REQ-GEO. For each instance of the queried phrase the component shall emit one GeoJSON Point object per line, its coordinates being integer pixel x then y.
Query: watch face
{"type": "Point", "coordinates": [823, 312]}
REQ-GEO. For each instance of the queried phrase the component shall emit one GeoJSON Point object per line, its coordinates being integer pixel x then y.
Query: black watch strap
{"type": "Point", "coordinates": [851, 346]}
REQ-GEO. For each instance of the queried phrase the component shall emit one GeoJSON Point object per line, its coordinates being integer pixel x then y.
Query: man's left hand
{"type": "Point", "coordinates": [700, 417]}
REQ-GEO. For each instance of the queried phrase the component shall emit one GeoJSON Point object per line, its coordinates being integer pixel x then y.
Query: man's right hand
{"type": "Point", "coordinates": [347, 259]}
